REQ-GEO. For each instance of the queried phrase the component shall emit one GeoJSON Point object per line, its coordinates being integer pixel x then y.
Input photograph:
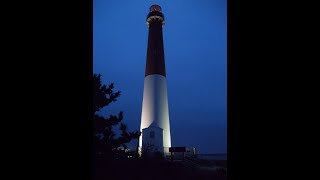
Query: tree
{"type": "Point", "coordinates": [104, 136]}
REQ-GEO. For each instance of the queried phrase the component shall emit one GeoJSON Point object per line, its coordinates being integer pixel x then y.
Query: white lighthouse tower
{"type": "Point", "coordinates": [155, 126]}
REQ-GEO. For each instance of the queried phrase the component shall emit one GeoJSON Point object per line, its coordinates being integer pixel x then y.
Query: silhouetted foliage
{"type": "Point", "coordinates": [104, 136]}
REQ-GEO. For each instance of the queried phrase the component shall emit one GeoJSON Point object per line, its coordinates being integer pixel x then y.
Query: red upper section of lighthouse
{"type": "Point", "coordinates": [155, 52]}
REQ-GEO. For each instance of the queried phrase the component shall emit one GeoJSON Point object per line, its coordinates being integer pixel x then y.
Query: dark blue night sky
{"type": "Point", "coordinates": [195, 45]}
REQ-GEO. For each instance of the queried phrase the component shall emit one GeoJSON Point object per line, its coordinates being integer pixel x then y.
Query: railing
{"type": "Point", "coordinates": [190, 153]}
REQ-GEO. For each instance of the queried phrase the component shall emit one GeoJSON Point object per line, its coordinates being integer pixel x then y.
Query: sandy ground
{"type": "Point", "coordinates": [158, 169]}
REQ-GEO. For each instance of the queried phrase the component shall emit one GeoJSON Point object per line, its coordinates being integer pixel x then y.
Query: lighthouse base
{"type": "Point", "coordinates": [155, 111]}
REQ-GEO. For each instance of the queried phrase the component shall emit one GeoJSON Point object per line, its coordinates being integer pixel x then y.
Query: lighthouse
{"type": "Point", "coordinates": [155, 124]}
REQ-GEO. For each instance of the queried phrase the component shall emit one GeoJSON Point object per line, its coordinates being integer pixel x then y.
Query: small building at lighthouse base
{"type": "Point", "coordinates": [152, 141]}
